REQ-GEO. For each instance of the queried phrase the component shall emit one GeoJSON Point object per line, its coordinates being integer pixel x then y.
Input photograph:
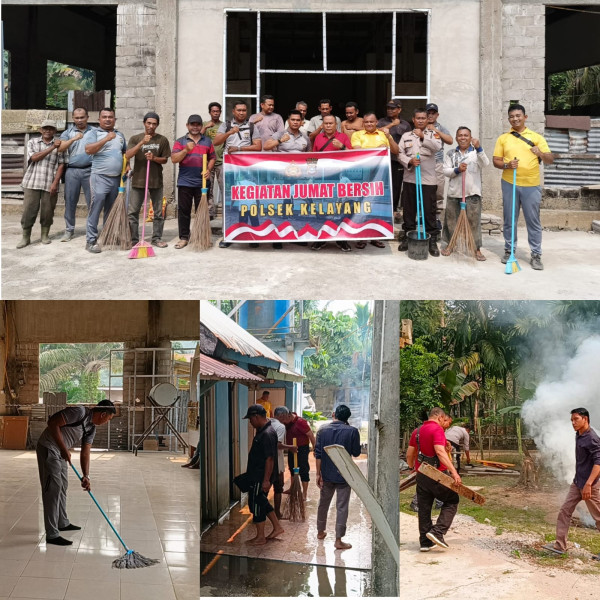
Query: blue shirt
{"type": "Point", "coordinates": [587, 454]}
{"type": "Point", "coordinates": [340, 433]}
{"type": "Point", "coordinates": [109, 160]}
{"type": "Point", "coordinates": [76, 152]}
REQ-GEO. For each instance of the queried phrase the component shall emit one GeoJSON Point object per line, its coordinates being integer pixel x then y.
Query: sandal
{"type": "Point", "coordinates": [553, 549]}
{"type": "Point", "coordinates": [361, 245]}
{"type": "Point", "coordinates": [377, 244]}
{"type": "Point", "coordinates": [181, 244]}
{"type": "Point", "coordinates": [480, 257]}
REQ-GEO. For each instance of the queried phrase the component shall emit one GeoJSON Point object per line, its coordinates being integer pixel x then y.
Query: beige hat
{"type": "Point", "coordinates": [49, 123]}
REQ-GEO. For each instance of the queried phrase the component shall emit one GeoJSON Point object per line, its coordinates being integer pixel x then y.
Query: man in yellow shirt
{"type": "Point", "coordinates": [264, 402]}
{"type": "Point", "coordinates": [522, 149]}
{"type": "Point", "coordinates": [371, 137]}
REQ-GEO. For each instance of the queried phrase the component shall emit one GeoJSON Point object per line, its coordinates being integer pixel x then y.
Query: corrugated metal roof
{"type": "Point", "coordinates": [571, 171]}
{"type": "Point", "coordinates": [284, 374]}
{"type": "Point", "coordinates": [558, 139]}
{"type": "Point", "coordinates": [211, 368]}
{"type": "Point", "coordinates": [232, 335]}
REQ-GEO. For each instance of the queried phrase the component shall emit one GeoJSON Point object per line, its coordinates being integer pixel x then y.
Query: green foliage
{"type": "Point", "coordinates": [75, 368]}
{"type": "Point", "coordinates": [6, 77]}
{"type": "Point", "coordinates": [343, 348]}
{"type": "Point", "coordinates": [577, 87]}
{"type": "Point", "coordinates": [311, 417]}
{"type": "Point", "coordinates": [61, 78]}
{"type": "Point", "coordinates": [419, 390]}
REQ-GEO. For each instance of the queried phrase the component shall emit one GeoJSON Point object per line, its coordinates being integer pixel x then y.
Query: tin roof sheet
{"type": "Point", "coordinates": [211, 368]}
{"type": "Point", "coordinates": [232, 335]}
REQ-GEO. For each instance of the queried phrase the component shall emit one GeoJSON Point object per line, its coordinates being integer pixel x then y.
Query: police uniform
{"type": "Point", "coordinates": [410, 145]}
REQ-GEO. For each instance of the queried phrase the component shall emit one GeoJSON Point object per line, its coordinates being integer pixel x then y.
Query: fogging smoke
{"type": "Point", "coordinates": [547, 415]}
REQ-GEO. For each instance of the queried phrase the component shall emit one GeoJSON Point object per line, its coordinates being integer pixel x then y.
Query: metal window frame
{"type": "Point", "coordinates": [325, 71]}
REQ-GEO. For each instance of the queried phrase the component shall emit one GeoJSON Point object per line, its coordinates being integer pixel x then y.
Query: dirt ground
{"type": "Point", "coordinates": [481, 564]}
{"type": "Point", "coordinates": [572, 270]}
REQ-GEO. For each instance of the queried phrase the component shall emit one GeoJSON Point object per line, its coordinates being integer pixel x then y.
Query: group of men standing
{"type": "Point", "coordinates": [92, 160]}
{"type": "Point", "coordinates": [280, 430]}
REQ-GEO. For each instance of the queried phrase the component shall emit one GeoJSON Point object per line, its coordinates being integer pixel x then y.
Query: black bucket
{"type": "Point", "coordinates": [418, 249]}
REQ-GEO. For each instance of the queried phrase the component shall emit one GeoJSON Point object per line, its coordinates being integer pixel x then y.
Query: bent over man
{"type": "Point", "coordinates": [66, 428]}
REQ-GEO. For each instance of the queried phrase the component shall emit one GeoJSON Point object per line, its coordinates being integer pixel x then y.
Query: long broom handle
{"type": "Point", "coordinates": [463, 204]}
{"type": "Point", "coordinates": [100, 509]}
{"type": "Point", "coordinates": [145, 199]}
{"type": "Point", "coordinates": [419, 191]}
{"type": "Point", "coordinates": [123, 176]}
{"type": "Point", "coordinates": [203, 172]}
{"type": "Point", "coordinates": [422, 204]}
{"type": "Point", "coordinates": [295, 458]}
{"type": "Point", "coordinates": [514, 201]}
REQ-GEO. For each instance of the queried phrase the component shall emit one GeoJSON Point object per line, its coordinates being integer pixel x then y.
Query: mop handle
{"type": "Point", "coordinates": [100, 509]}
{"type": "Point", "coordinates": [463, 204]}
{"type": "Point", "coordinates": [295, 457]}
{"type": "Point", "coordinates": [145, 199]}
{"type": "Point", "coordinates": [514, 194]}
{"type": "Point", "coordinates": [422, 205]}
{"type": "Point", "coordinates": [419, 195]}
{"type": "Point", "coordinates": [203, 173]}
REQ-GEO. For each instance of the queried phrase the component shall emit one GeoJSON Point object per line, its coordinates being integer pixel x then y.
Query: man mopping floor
{"type": "Point", "coordinates": [67, 428]}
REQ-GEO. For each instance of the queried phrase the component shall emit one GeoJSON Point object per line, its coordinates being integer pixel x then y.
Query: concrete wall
{"type": "Point", "coordinates": [455, 86]}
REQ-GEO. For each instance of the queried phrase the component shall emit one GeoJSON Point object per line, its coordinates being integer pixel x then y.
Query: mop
{"type": "Point", "coordinates": [462, 238]}
{"type": "Point", "coordinates": [143, 249]}
{"type": "Point", "coordinates": [200, 236]}
{"type": "Point", "coordinates": [131, 559]}
{"type": "Point", "coordinates": [116, 234]}
{"type": "Point", "coordinates": [294, 508]}
{"type": "Point", "coordinates": [512, 266]}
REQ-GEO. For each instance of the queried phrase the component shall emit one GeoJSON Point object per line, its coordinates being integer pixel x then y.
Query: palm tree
{"type": "Point", "coordinates": [79, 363]}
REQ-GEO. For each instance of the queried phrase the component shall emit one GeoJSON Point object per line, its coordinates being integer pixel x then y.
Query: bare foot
{"type": "Point", "coordinates": [304, 498]}
{"type": "Point", "coordinates": [480, 256]}
{"type": "Point", "coordinates": [321, 535]}
{"type": "Point", "coordinates": [257, 541]}
{"type": "Point", "coordinates": [275, 533]}
{"type": "Point", "coordinates": [446, 252]}
{"type": "Point", "coordinates": [342, 545]}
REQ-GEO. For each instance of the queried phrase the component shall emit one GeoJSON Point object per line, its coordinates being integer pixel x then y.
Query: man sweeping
{"type": "Point", "coordinates": [522, 149]}
{"type": "Point", "coordinates": [299, 429]}
{"type": "Point", "coordinates": [262, 472]}
{"type": "Point", "coordinates": [66, 428]}
{"type": "Point", "coordinates": [466, 160]}
{"type": "Point", "coordinates": [428, 445]}
{"type": "Point", "coordinates": [329, 479]}
{"type": "Point", "coordinates": [586, 483]}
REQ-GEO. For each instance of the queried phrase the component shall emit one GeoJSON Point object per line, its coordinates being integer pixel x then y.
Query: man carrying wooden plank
{"type": "Point", "coordinates": [428, 445]}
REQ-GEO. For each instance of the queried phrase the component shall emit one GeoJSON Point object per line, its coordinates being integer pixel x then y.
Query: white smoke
{"type": "Point", "coordinates": [547, 416]}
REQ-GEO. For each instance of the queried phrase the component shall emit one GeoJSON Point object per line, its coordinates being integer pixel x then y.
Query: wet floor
{"type": "Point", "coordinates": [223, 575]}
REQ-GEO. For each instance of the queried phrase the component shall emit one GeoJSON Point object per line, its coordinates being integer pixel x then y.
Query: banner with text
{"type": "Point", "coordinates": [308, 196]}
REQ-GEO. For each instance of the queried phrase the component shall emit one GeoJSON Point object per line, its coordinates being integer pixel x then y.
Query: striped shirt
{"type": "Point", "coordinates": [190, 168]}
{"type": "Point", "coordinates": [41, 174]}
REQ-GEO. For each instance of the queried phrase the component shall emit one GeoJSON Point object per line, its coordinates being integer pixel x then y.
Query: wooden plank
{"type": "Point", "coordinates": [492, 463]}
{"type": "Point", "coordinates": [356, 480]}
{"type": "Point", "coordinates": [447, 481]}
{"type": "Point", "coordinates": [408, 481]}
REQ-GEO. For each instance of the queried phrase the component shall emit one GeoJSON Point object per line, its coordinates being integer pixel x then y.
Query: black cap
{"type": "Point", "coordinates": [106, 405]}
{"type": "Point", "coordinates": [151, 115]}
{"type": "Point", "coordinates": [432, 106]}
{"type": "Point", "coordinates": [194, 119]}
{"type": "Point", "coordinates": [394, 103]}
{"type": "Point", "coordinates": [256, 409]}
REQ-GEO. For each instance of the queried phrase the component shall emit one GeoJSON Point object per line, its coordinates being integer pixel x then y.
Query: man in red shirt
{"type": "Point", "coordinates": [428, 444]}
{"type": "Point", "coordinates": [297, 427]}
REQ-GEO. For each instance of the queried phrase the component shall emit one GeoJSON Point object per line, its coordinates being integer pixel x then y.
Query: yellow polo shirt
{"type": "Point", "coordinates": [266, 405]}
{"type": "Point", "coordinates": [369, 140]}
{"type": "Point", "coordinates": [508, 147]}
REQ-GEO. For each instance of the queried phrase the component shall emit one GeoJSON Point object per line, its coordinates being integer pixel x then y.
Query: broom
{"type": "Point", "coordinates": [116, 234]}
{"type": "Point", "coordinates": [421, 234]}
{"type": "Point", "coordinates": [143, 249]}
{"type": "Point", "coordinates": [512, 266]}
{"type": "Point", "coordinates": [462, 238]}
{"type": "Point", "coordinates": [201, 236]}
{"type": "Point", "coordinates": [294, 508]}
{"type": "Point", "coordinates": [131, 559]}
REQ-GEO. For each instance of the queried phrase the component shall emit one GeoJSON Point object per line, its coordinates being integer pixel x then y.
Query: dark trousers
{"type": "Point", "coordinates": [38, 201]}
{"type": "Point", "coordinates": [136, 202]}
{"type": "Point", "coordinates": [397, 174]}
{"type": "Point", "coordinates": [258, 503]}
{"type": "Point", "coordinates": [186, 197]}
{"type": "Point", "coordinates": [303, 467]}
{"type": "Point", "coordinates": [409, 207]}
{"type": "Point", "coordinates": [458, 453]}
{"type": "Point", "coordinates": [427, 491]}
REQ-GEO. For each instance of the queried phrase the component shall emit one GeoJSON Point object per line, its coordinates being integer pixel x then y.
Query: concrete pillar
{"type": "Point", "coordinates": [384, 439]}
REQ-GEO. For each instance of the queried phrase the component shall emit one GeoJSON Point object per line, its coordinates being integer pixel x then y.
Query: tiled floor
{"type": "Point", "coordinates": [151, 501]}
{"type": "Point", "coordinates": [299, 543]}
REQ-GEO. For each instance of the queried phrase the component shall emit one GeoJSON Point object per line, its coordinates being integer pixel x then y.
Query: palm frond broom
{"type": "Point", "coordinates": [462, 239]}
{"type": "Point", "coordinates": [294, 508]}
{"type": "Point", "coordinates": [201, 235]}
{"type": "Point", "coordinates": [116, 234]}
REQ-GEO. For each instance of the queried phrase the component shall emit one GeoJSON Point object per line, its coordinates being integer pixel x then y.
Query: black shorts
{"type": "Point", "coordinates": [303, 452]}
{"type": "Point", "coordinates": [258, 503]}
